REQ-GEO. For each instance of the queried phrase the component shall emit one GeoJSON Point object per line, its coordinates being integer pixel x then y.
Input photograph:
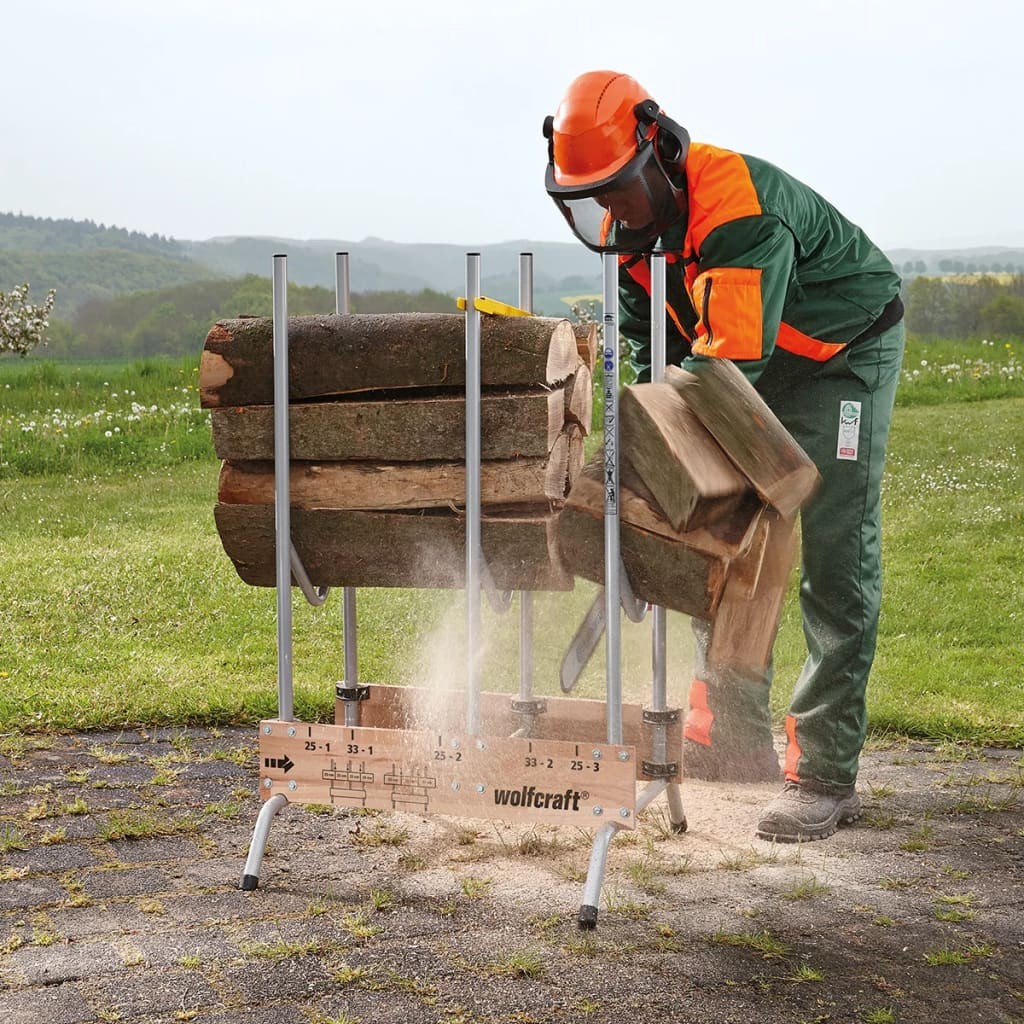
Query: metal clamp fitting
{"type": "Point", "coordinates": [668, 716]}
{"type": "Point", "coordinates": [653, 770]}
{"type": "Point", "coordinates": [343, 692]}
{"type": "Point", "coordinates": [529, 707]}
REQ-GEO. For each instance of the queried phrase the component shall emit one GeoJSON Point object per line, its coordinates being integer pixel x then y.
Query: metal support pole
{"type": "Point", "coordinates": [526, 698]}
{"type": "Point", "coordinates": [342, 300]}
{"type": "Point", "coordinates": [282, 510]}
{"type": "Point", "coordinates": [473, 548]}
{"type": "Point", "coordinates": [658, 629]}
{"type": "Point", "coordinates": [612, 590]}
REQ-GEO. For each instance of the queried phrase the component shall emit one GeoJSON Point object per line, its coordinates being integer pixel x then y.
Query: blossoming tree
{"type": "Point", "coordinates": [21, 323]}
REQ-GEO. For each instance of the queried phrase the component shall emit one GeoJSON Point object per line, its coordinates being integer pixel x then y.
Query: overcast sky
{"type": "Point", "coordinates": [421, 121]}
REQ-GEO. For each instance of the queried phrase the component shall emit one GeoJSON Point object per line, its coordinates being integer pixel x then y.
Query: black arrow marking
{"type": "Point", "coordinates": [279, 762]}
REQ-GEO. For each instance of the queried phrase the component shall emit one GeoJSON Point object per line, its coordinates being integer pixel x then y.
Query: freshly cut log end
{"type": "Point", "coordinates": [675, 457]}
{"type": "Point", "coordinates": [394, 549]}
{"type": "Point", "coordinates": [586, 344]}
{"type": "Point", "coordinates": [349, 353]}
{"type": "Point", "coordinates": [565, 463]}
{"type": "Point", "coordinates": [579, 399]}
{"type": "Point", "coordinates": [748, 431]}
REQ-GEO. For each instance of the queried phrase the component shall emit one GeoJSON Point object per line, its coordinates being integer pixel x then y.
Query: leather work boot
{"type": "Point", "coordinates": [715, 764]}
{"type": "Point", "coordinates": [800, 814]}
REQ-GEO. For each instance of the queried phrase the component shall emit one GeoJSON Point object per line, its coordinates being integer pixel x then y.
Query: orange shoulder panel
{"type": "Point", "coordinates": [720, 190]}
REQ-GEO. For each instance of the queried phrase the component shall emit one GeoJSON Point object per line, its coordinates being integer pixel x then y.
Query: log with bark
{"type": "Point", "coordinates": [357, 352]}
{"type": "Point", "coordinates": [748, 431]}
{"type": "Point", "coordinates": [395, 549]}
{"type": "Point", "coordinates": [408, 485]}
{"type": "Point", "coordinates": [401, 429]}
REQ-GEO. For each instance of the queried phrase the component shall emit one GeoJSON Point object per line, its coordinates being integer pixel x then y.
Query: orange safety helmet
{"type": "Point", "coordinates": [615, 163]}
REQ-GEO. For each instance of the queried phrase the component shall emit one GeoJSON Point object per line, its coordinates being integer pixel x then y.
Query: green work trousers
{"type": "Point", "coordinates": [839, 412]}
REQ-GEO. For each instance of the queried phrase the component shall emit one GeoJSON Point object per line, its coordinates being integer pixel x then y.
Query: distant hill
{"type": "Point", "coordinates": [86, 261]}
{"type": "Point", "coordinates": [561, 269]}
{"type": "Point", "coordinates": [89, 262]}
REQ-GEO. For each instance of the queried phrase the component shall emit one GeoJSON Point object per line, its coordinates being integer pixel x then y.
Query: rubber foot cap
{"type": "Point", "coordinates": [249, 882]}
{"type": "Point", "coordinates": [587, 919]}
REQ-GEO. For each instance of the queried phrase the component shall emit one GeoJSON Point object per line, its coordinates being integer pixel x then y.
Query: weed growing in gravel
{"type": "Point", "coordinates": [644, 876]}
{"type": "Point", "coordinates": [763, 943]}
{"type": "Point", "coordinates": [954, 907]}
{"type": "Point", "coordinates": [411, 862]}
{"type": "Point", "coordinates": [744, 860]}
{"type": "Point", "coordinates": [523, 963]}
{"type": "Point", "coordinates": [806, 973]}
{"type": "Point", "coordinates": [956, 957]}
{"type": "Point", "coordinates": [895, 884]}
{"type": "Point", "coordinates": [77, 896]}
{"type": "Point", "coordinates": [107, 756]}
{"type": "Point", "coordinates": [381, 900]}
{"type": "Point", "coordinates": [382, 834]}
{"type": "Point", "coordinates": [12, 839]}
{"type": "Point", "coordinates": [474, 888]}
{"type": "Point", "coordinates": [881, 792]}
{"type": "Point", "coordinates": [129, 824]}
{"type": "Point", "coordinates": [806, 889]}
{"type": "Point", "coordinates": [883, 1015]}
{"type": "Point", "coordinates": [358, 926]}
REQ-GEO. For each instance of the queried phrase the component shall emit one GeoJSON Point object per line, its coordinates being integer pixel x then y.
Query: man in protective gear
{"type": "Point", "coordinates": [763, 271]}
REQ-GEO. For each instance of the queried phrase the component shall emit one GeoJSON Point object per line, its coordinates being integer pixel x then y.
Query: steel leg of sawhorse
{"type": "Point", "coordinates": [587, 917]}
{"type": "Point", "coordinates": [258, 846]}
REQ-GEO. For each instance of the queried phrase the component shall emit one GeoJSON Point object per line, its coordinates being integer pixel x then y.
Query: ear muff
{"type": "Point", "coordinates": [669, 147]}
{"type": "Point", "coordinates": [671, 139]}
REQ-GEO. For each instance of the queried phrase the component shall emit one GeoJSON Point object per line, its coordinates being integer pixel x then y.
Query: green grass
{"type": "Point", "coordinates": [120, 607]}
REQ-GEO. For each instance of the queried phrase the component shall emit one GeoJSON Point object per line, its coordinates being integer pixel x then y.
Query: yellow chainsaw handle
{"type": "Point", "coordinates": [493, 307]}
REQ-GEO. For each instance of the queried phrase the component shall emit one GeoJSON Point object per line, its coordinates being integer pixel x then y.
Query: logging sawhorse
{"type": "Point", "coordinates": [555, 761]}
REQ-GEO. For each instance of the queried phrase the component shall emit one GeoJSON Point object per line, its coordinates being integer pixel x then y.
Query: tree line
{"type": "Point", "coordinates": [966, 307]}
{"type": "Point", "coordinates": [174, 321]}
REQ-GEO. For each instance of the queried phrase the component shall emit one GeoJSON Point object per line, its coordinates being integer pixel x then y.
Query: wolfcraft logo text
{"type": "Point", "coordinates": [530, 796]}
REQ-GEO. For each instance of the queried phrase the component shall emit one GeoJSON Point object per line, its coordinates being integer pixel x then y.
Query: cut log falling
{"type": "Point", "coordinates": [395, 549]}
{"type": "Point", "coordinates": [356, 352]}
{"type": "Point", "coordinates": [748, 614]}
{"type": "Point", "coordinates": [682, 570]}
{"type": "Point", "coordinates": [748, 431]}
{"type": "Point", "coordinates": [670, 450]}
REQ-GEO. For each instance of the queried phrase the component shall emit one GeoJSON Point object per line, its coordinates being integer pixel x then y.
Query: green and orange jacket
{"type": "Point", "coordinates": [759, 262]}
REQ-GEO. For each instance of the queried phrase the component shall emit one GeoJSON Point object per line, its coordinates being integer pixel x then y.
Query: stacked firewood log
{"type": "Point", "coordinates": [710, 483]}
{"type": "Point", "coordinates": [377, 442]}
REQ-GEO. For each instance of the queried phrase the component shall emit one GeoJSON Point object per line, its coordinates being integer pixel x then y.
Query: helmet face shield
{"type": "Point", "coordinates": [626, 212]}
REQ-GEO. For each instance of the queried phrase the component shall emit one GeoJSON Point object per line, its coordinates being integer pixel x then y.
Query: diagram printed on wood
{"type": "Point", "coordinates": [420, 771]}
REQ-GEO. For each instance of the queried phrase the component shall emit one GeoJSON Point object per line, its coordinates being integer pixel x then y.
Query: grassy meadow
{"type": "Point", "coordinates": [120, 608]}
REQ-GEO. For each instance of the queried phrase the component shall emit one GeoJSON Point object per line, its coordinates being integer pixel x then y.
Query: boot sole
{"type": "Point", "coordinates": [822, 830]}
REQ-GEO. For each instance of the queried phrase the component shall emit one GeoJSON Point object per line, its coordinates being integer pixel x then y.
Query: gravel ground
{"type": "Point", "coordinates": [120, 857]}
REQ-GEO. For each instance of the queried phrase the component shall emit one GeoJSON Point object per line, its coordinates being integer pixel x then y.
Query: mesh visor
{"type": "Point", "coordinates": [624, 213]}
